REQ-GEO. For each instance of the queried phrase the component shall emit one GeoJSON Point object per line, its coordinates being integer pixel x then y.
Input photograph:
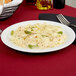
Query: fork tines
{"type": "Point", "coordinates": [62, 19]}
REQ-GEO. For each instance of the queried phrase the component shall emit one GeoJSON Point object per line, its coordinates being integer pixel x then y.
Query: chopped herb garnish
{"type": "Point", "coordinates": [44, 36]}
{"type": "Point", "coordinates": [36, 45]}
{"type": "Point", "coordinates": [27, 32]}
{"type": "Point", "coordinates": [32, 29]}
{"type": "Point", "coordinates": [60, 32]}
{"type": "Point", "coordinates": [30, 46]}
{"type": "Point", "coordinates": [12, 32]}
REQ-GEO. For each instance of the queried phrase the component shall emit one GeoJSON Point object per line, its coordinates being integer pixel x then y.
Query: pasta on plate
{"type": "Point", "coordinates": [38, 36]}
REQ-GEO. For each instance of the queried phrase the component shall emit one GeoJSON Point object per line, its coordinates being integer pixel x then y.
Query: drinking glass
{"type": "Point", "coordinates": [44, 4]}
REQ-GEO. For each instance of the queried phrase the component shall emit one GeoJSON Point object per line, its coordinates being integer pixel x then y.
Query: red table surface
{"type": "Point", "coordinates": [59, 63]}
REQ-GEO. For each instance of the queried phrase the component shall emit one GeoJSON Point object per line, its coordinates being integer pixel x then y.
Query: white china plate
{"type": "Point", "coordinates": [67, 30]}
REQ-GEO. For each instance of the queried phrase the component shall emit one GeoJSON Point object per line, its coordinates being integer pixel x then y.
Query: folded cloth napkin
{"type": "Point", "coordinates": [52, 17]}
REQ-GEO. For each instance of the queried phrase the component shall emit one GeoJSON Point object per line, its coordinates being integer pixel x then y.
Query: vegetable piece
{"type": "Point", "coordinates": [12, 32]}
{"type": "Point", "coordinates": [60, 32]}
{"type": "Point", "coordinates": [30, 46]}
{"type": "Point", "coordinates": [27, 32]}
{"type": "Point", "coordinates": [32, 29]}
{"type": "Point", "coordinates": [44, 36]}
{"type": "Point", "coordinates": [36, 45]}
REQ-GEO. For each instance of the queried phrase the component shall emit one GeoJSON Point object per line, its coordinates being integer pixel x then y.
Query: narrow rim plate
{"type": "Point", "coordinates": [68, 31]}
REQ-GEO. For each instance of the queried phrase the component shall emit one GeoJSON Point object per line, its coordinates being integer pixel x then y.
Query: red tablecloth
{"type": "Point", "coordinates": [13, 63]}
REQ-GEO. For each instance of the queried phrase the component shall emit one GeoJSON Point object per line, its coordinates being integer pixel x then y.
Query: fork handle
{"type": "Point", "coordinates": [73, 25]}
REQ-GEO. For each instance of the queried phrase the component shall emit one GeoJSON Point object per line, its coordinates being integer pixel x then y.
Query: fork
{"type": "Point", "coordinates": [63, 20]}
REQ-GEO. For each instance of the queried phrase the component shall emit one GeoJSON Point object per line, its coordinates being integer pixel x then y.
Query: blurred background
{"type": "Point", "coordinates": [71, 3]}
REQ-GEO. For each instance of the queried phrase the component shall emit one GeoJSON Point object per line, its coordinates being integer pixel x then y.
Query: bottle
{"type": "Point", "coordinates": [43, 4]}
{"type": "Point", "coordinates": [58, 4]}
